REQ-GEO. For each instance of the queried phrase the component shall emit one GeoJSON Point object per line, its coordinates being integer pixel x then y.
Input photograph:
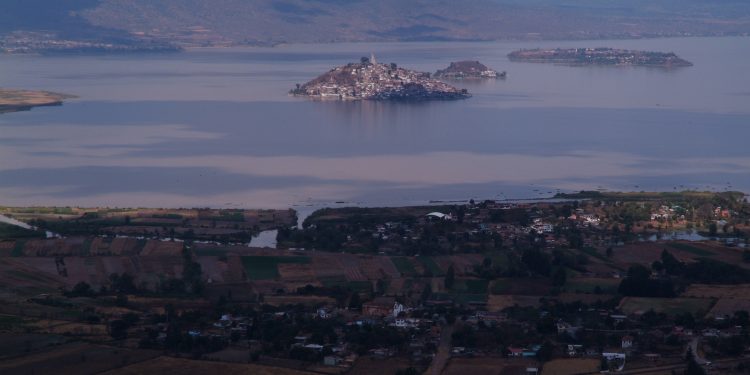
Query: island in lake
{"type": "Point", "coordinates": [369, 80]}
{"type": "Point", "coordinates": [24, 100]}
{"type": "Point", "coordinates": [468, 70]}
{"type": "Point", "coordinates": [599, 56]}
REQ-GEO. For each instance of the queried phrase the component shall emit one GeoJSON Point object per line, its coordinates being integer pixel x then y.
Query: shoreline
{"type": "Point", "coordinates": [17, 100]}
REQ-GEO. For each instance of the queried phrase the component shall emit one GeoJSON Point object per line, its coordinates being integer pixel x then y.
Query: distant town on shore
{"type": "Point", "coordinates": [599, 56]}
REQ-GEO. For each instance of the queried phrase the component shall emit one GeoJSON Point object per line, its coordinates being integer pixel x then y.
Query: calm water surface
{"type": "Point", "coordinates": [216, 128]}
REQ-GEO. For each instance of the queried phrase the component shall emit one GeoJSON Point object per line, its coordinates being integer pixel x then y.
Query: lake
{"type": "Point", "coordinates": [215, 127]}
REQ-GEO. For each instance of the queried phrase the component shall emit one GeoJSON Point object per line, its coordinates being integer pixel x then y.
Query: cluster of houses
{"type": "Point", "coordinates": [371, 80]}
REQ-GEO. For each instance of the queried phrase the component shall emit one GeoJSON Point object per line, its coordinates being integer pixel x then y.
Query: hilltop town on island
{"type": "Point", "coordinates": [370, 80]}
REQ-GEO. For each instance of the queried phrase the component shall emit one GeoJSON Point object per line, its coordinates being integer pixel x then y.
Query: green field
{"type": "Point", "coordinates": [8, 231]}
{"type": "Point", "coordinates": [429, 264]}
{"type": "Point", "coordinates": [465, 298]}
{"type": "Point", "coordinates": [498, 258]}
{"type": "Point", "coordinates": [471, 286]}
{"type": "Point", "coordinates": [331, 281]}
{"type": "Point", "coordinates": [691, 249]}
{"type": "Point", "coordinates": [211, 251]}
{"type": "Point", "coordinates": [404, 266]}
{"type": "Point", "coordinates": [340, 281]}
{"type": "Point", "coordinates": [18, 248]}
{"type": "Point", "coordinates": [359, 286]}
{"type": "Point", "coordinates": [460, 298]}
{"type": "Point", "coordinates": [9, 322]}
{"type": "Point", "coordinates": [671, 306]}
{"type": "Point", "coordinates": [266, 268]}
{"type": "Point", "coordinates": [500, 286]}
{"type": "Point", "coordinates": [588, 285]}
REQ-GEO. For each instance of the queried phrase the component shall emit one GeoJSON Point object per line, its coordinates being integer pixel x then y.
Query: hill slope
{"type": "Point", "coordinates": [218, 22]}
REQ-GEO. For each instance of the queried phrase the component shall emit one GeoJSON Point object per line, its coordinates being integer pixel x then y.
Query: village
{"type": "Point", "coordinates": [581, 283]}
{"type": "Point", "coordinates": [370, 80]}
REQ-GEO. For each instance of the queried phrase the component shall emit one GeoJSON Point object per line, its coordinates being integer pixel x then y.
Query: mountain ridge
{"type": "Point", "coordinates": [190, 23]}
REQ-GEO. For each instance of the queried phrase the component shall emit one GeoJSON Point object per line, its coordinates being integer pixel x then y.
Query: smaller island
{"type": "Point", "coordinates": [369, 80]}
{"type": "Point", "coordinates": [600, 56]}
{"type": "Point", "coordinates": [468, 70]}
{"type": "Point", "coordinates": [24, 100]}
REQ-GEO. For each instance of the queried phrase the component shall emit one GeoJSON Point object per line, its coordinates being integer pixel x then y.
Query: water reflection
{"type": "Point", "coordinates": [215, 127]}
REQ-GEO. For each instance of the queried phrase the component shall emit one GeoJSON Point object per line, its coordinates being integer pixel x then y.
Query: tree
{"type": "Point", "coordinates": [118, 329]}
{"type": "Point", "coordinates": [450, 277]}
{"type": "Point", "coordinates": [712, 229]}
{"type": "Point", "coordinates": [639, 272]}
{"type": "Point", "coordinates": [559, 277]}
{"type": "Point", "coordinates": [545, 352]}
{"type": "Point", "coordinates": [408, 371]}
{"type": "Point", "coordinates": [82, 289]}
{"type": "Point", "coordinates": [364, 60]}
{"type": "Point", "coordinates": [121, 300]}
{"type": "Point", "coordinates": [355, 302]}
{"type": "Point", "coordinates": [693, 368]}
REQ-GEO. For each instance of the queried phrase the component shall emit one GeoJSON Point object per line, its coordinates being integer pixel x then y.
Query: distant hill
{"type": "Point", "coordinates": [231, 22]}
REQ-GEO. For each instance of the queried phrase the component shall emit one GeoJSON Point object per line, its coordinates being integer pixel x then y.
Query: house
{"type": "Point", "coordinates": [381, 306]}
{"type": "Point", "coordinates": [515, 352]}
{"type": "Point", "coordinates": [574, 350]}
{"type": "Point", "coordinates": [613, 356]}
{"type": "Point", "coordinates": [397, 309]}
{"type": "Point", "coordinates": [627, 342]}
{"type": "Point", "coordinates": [332, 360]}
{"type": "Point", "coordinates": [618, 318]}
{"type": "Point", "coordinates": [439, 216]}
{"type": "Point", "coordinates": [324, 313]}
{"type": "Point", "coordinates": [491, 317]}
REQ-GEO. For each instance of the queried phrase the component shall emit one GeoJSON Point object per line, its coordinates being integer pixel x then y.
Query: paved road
{"type": "Point", "coordinates": [443, 353]}
{"type": "Point", "coordinates": [694, 347]}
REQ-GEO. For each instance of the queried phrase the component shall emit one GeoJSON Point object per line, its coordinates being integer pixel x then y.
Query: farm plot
{"type": "Point", "coordinates": [741, 291]}
{"type": "Point", "coordinates": [500, 302]}
{"type": "Point", "coordinates": [15, 344]}
{"type": "Point", "coordinates": [296, 272]}
{"type": "Point", "coordinates": [531, 287]}
{"type": "Point", "coordinates": [327, 265]}
{"type": "Point", "coordinates": [75, 358]}
{"type": "Point", "coordinates": [430, 265]}
{"type": "Point", "coordinates": [351, 265]}
{"type": "Point", "coordinates": [728, 306]}
{"type": "Point", "coordinates": [6, 248]}
{"type": "Point", "coordinates": [22, 273]}
{"type": "Point", "coordinates": [671, 306]}
{"type": "Point", "coordinates": [404, 266]}
{"type": "Point", "coordinates": [163, 365]}
{"type": "Point", "coordinates": [638, 253]}
{"type": "Point", "coordinates": [696, 250]}
{"type": "Point", "coordinates": [592, 285]}
{"type": "Point", "coordinates": [471, 286]}
{"type": "Point", "coordinates": [266, 267]}
{"type": "Point", "coordinates": [374, 366]}
{"type": "Point", "coordinates": [162, 248]}
{"type": "Point", "coordinates": [487, 366]}
{"type": "Point", "coordinates": [374, 268]}
{"type": "Point", "coordinates": [571, 366]}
